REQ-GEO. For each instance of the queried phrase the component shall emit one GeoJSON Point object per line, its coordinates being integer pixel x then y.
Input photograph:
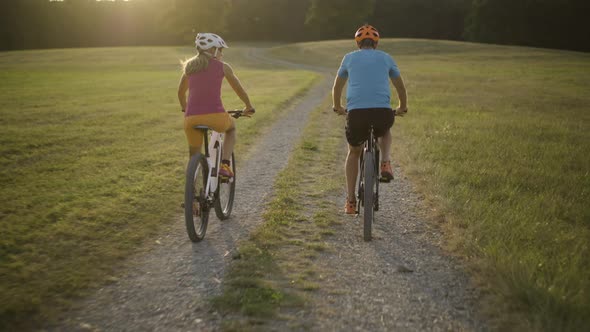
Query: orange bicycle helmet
{"type": "Point", "coordinates": [366, 32]}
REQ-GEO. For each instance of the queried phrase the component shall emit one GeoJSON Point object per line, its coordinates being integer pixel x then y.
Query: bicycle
{"type": "Point", "coordinates": [367, 187]}
{"type": "Point", "coordinates": [368, 183]}
{"type": "Point", "coordinates": [204, 188]}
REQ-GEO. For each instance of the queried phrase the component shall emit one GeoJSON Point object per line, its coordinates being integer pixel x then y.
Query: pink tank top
{"type": "Point", "coordinates": [204, 90]}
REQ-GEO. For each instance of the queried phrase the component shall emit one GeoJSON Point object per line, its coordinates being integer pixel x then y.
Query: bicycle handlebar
{"type": "Point", "coordinates": [238, 113]}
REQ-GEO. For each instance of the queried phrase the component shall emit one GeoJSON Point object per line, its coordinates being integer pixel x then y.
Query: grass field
{"type": "Point", "coordinates": [92, 157]}
{"type": "Point", "coordinates": [498, 137]}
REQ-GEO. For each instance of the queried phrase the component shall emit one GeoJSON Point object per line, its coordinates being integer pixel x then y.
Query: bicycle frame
{"type": "Point", "coordinates": [213, 153]}
{"type": "Point", "coordinates": [204, 189]}
{"type": "Point", "coordinates": [370, 146]}
{"type": "Point", "coordinates": [368, 184]}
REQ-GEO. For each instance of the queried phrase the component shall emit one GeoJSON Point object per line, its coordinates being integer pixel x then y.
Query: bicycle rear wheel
{"type": "Point", "coordinates": [368, 194]}
{"type": "Point", "coordinates": [196, 208]}
{"type": "Point", "coordinates": [224, 196]}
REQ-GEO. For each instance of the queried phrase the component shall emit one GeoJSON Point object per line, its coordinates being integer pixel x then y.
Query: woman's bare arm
{"type": "Point", "coordinates": [182, 89]}
{"type": "Point", "coordinates": [235, 84]}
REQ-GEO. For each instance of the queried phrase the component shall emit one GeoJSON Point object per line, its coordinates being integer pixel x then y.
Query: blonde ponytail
{"type": "Point", "coordinates": [196, 64]}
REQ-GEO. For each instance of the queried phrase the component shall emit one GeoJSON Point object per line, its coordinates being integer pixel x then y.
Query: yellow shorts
{"type": "Point", "coordinates": [220, 122]}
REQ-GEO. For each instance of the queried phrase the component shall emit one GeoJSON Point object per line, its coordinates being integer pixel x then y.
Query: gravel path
{"type": "Point", "coordinates": [401, 281]}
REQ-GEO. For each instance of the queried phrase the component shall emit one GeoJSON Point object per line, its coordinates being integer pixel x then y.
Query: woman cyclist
{"type": "Point", "coordinates": [368, 98]}
{"type": "Point", "coordinates": [202, 76]}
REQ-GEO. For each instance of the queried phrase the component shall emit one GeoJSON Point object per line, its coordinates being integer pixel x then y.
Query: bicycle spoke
{"type": "Point", "coordinates": [224, 197]}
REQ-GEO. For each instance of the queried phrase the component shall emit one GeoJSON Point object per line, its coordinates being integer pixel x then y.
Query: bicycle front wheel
{"type": "Point", "coordinates": [368, 194]}
{"type": "Point", "coordinates": [196, 209]}
{"type": "Point", "coordinates": [224, 196]}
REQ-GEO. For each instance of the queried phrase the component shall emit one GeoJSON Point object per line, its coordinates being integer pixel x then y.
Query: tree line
{"type": "Point", "coordinates": [27, 24]}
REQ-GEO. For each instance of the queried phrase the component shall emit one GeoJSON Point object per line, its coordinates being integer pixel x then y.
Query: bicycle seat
{"type": "Point", "coordinates": [200, 127]}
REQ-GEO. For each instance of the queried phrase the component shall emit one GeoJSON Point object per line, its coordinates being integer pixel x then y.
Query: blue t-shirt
{"type": "Point", "coordinates": [368, 72]}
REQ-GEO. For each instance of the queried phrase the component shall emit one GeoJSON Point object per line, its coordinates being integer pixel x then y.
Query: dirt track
{"type": "Point", "coordinates": [401, 281]}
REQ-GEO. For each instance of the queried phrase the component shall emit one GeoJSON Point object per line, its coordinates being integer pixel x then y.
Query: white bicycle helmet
{"type": "Point", "coordinates": [205, 41]}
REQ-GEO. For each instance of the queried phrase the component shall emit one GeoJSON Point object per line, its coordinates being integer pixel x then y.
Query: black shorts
{"type": "Point", "coordinates": [359, 121]}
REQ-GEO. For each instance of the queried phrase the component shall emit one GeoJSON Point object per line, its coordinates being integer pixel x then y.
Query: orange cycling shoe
{"type": "Point", "coordinates": [225, 171]}
{"type": "Point", "coordinates": [350, 207]}
{"type": "Point", "coordinates": [386, 171]}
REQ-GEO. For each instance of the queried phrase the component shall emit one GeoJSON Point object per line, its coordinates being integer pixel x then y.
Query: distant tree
{"type": "Point", "coordinates": [8, 25]}
{"type": "Point", "coordinates": [187, 17]}
{"type": "Point", "coordinates": [58, 29]}
{"type": "Point", "coordinates": [23, 23]}
{"type": "Point", "coordinates": [292, 20]}
{"type": "Point", "coordinates": [436, 19]}
{"type": "Point", "coordinates": [82, 23]}
{"type": "Point", "coordinates": [266, 19]}
{"type": "Point", "coordinates": [544, 23]}
{"type": "Point", "coordinates": [327, 19]}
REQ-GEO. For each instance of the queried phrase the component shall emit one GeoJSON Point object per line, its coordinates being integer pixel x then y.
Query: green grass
{"type": "Point", "coordinates": [498, 137]}
{"type": "Point", "coordinates": [92, 157]}
{"type": "Point", "coordinates": [275, 266]}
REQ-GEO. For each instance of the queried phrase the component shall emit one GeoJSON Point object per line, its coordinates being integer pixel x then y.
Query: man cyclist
{"type": "Point", "coordinates": [368, 96]}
